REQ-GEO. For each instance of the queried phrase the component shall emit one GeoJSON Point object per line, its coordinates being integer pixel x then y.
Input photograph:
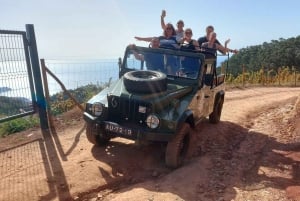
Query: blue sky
{"type": "Point", "coordinates": [97, 29]}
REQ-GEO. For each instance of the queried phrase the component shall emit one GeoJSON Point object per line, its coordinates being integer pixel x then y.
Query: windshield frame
{"type": "Point", "coordinates": [197, 56]}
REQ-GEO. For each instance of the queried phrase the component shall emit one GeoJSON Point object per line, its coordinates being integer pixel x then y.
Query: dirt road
{"type": "Point", "coordinates": [252, 154]}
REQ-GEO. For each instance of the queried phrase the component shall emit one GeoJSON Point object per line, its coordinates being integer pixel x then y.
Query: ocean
{"type": "Point", "coordinates": [14, 79]}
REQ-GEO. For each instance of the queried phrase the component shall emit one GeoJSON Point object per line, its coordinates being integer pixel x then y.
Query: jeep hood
{"type": "Point", "coordinates": [159, 100]}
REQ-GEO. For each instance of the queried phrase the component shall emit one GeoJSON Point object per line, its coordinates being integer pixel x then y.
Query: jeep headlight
{"type": "Point", "coordinates": [152, 121]}
{"type": "Point", "coordinates": [97, 109]}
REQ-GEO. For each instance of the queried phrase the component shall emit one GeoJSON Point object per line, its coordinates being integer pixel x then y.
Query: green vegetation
{"type": "Point", "coordinates": [59, 103]}
{"type": "Point", "coordinates": [18, 125]}
{"type": "Point", "coordinates": [275, 63]}
{"type": "Point", "coordinates": [270, 57]}
{"type": "Point", "coordinates": [12, 105]}
{"type": "Point", "coordinates": [285, 76]}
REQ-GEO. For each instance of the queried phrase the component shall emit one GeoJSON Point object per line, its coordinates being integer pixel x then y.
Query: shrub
{"type": "Point", "coordinates": [18, 125]}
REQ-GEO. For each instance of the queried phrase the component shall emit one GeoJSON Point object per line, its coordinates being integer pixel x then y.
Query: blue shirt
{"type": "Point", "coordinates": [168, 42]}
{"type": "Point", "coordinates": [154, 61]}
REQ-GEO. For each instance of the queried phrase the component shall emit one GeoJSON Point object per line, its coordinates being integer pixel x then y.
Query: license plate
{"type": "Point", "coordinates": [118, 129]}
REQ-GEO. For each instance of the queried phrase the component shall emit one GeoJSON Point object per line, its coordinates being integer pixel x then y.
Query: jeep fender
{"type": "Point", "coordinates": [187, 117]}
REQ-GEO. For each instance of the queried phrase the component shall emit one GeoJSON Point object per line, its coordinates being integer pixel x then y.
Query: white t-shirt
{"type": "Point", "coordinates": [179, 35]}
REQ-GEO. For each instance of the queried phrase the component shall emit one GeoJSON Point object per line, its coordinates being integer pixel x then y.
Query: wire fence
{"type": "Point", "coordinates": [71, 83]}
{"type": "Point", "coordinates": [15, 91]}
{"type": "Point", "coordinates": [76, 74]}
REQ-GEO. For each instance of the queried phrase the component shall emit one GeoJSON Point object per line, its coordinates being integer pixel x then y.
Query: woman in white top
{"type": "Point", "coordinates": [180, 24]}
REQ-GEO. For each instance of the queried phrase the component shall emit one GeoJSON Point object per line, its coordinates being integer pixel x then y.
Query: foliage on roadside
{"type": "Point", "coordinates": [61, 103]}
{"type": "Point", "coordinates": [270, 56]}
{"type": "Point", "coordinates": [285, 76]}
{"type": "Point", "coordinates": [18, 125]}
{"type": "Point", "coordinates": [11, 105]}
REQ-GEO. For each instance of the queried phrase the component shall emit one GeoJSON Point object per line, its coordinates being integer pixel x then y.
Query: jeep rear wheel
{"type": "Point", "coordinates": [94, 137]}
{"type": "Point", "coordinates": [145, 81]}
{"type": "Point", "coordinates": [215, 116]}
{"type": "Point", "coordinates": [178, 147]}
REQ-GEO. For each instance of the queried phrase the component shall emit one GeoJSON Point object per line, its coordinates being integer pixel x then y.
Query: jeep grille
{"type": "Point", "coordinates": [123, 109]}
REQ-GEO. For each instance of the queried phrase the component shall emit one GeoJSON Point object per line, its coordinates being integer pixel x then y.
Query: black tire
{"type": "Point", "coordinates": [215, 116]}
{"type": "Point", "coordinates": [145, 81]}
{"type": "Point", "coordinates": [95, 135]}
{"type": "Point", "coordinates": [178, 147]}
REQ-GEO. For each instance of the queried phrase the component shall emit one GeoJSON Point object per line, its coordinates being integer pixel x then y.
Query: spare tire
{"type": "Point", "coordinates": [145, 81]}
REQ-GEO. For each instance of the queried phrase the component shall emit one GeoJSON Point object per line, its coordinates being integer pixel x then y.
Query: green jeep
{"type": "Point", "coordinates": [161, 95]}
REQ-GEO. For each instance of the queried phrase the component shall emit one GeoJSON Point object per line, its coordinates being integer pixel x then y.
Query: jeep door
{"type": "Point", "coordinates": [208, 86]}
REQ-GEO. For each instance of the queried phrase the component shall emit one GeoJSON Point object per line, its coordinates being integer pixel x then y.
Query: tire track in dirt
{"type": "Point", "coordinates": [231, 154]}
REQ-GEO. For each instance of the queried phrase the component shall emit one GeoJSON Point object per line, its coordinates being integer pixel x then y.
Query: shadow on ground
{"type": "Point", "coordinates": [225, 157]}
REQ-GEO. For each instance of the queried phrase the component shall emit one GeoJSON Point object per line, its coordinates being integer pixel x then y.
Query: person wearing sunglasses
{"type": "Point", "coordinates": [167, 40]}
{"type": "Point", "coordinates": [180, 24]}
{"type": "Point", "coordinates": [187, 43]}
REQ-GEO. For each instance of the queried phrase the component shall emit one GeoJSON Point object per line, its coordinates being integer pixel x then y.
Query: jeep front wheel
{"type": "Point", "coordinates": [177, 148]}
{"type": "Point", "coordinates": [94, 137]}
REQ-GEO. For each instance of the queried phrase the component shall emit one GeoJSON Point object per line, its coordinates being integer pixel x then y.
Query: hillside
{"type": "Point", "coordinates": [270, 56]}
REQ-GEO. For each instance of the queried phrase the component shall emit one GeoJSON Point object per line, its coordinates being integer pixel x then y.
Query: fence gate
{"type": "Point", "coordinates": [21, 89]}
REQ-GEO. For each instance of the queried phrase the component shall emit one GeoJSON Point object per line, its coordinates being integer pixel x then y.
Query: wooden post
{"type": "Point", "coordinates": [47, 94]}
{"type": "Point", "coordinates": [262, 75]}
{"type": "Point", "coordinates": [243, 76]}
{"type": "Point", "coordinates": [64, 89]}
{"type": "Point", "coordinates": [279, 71]}
{"type": "Point", "coordinates": [295, 77]}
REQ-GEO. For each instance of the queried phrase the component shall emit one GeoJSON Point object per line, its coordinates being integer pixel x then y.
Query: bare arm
{"type": "Point", "coordinates": [162, 20]}
{"type": "Point", "coordinates": [147, 39]}
{"type": "Point", "coordinates": [229, 50]}
{"type": "Point", "coordinates": [225, 49]}
{"type": "Point", "coordinates": [226, 42]}
{"type": "Point", "coordinates": [222, 49]}
{"type": "Point", "coordinates": [136, 55]}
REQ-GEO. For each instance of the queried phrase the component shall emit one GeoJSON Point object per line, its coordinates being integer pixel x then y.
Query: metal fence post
{"type": "Point", "coordinates": [40, 98]}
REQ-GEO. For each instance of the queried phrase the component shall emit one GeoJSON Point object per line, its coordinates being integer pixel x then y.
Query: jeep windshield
{"type": "Point", "coordinates": [174, 63]}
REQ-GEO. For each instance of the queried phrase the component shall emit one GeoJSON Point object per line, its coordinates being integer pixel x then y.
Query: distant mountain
{"type": "Point", "coordinates": [13, 105]}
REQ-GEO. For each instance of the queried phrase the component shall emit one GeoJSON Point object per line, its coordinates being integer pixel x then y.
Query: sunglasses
{"type": "Point", "coordinates": [188, 32]}
{"type": "Point", "coordinates": [169, 28]}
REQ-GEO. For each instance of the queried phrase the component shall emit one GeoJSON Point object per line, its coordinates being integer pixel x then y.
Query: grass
{"type": "Point", "coordinates": [17, 125]}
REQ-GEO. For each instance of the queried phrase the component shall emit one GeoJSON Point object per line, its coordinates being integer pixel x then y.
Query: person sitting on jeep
{"type": "Point", "coordinates": [187, 43]}
{"type": "Point", "coordinates": [153, 61]}
{"type": "Point", "coordinates": [180, 24]}
{"type": "Point", "coordinates": [211, 46]}
{"type": "Point", "coordinates": [168, 40]}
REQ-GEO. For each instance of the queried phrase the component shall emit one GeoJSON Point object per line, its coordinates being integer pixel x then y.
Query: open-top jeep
{"type": "Point", "coordinates": [161, 95]}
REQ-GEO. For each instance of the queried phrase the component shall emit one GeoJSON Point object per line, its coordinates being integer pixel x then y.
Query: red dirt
{"type": "Point", "coordinates": [252, 154]}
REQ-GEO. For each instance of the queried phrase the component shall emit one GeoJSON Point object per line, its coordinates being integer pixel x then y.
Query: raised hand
{"type": "Point", "coordinates": [163, 13]}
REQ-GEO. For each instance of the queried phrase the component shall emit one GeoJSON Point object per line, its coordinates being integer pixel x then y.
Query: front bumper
{"type": "Point", "coordinates": [129, 131]}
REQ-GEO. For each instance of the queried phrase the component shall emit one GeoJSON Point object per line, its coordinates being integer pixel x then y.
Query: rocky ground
{"type": "Point", "coordinates": [252, 154]}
